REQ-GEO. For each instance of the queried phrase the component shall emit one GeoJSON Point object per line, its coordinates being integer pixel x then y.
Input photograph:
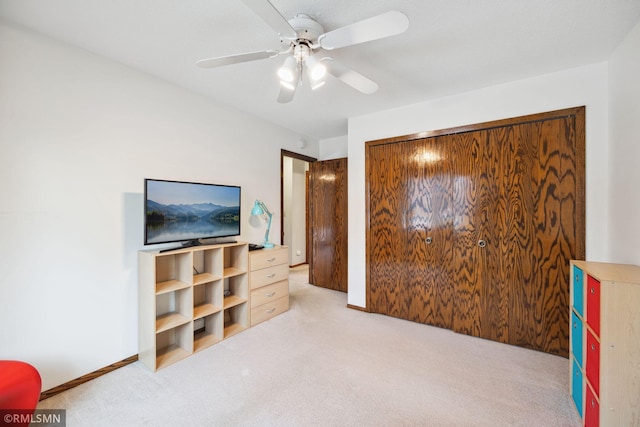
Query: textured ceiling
{"type": "Point", "coordinates": [451, 46]}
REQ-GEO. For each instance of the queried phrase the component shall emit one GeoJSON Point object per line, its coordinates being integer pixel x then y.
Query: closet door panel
{"type": "Point", "coordinates": [541, 237]}
{"type": "Point", "coordinates": [387, 235]}
{"type": "Point", "coordinates": [480, 303]}
{"type": "Point", "coordinates": [429, 251]}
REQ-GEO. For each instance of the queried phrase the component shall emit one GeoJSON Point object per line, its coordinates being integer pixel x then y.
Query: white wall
{"type": "Point", "coordinates": [297, 249]}
{"type": "Point", "coordinates": [78, 134]}
{"type": "Point", "coordinates": [571, 88]}
{"type": "Point", "coordinates": [295, 232]}
{"type": "Point", "coordinates": [333, 148]}
{"type": "Point", "coordinates": [624, 119]}
{"type": "Point", "coordinates": [287, 201]}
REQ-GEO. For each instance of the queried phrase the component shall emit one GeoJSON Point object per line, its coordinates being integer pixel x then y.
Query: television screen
{"type": "Point", "coordinates": [188, 211]}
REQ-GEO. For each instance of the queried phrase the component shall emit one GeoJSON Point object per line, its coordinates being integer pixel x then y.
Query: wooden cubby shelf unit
{"type": "Point", "coordinates": [190, 299]}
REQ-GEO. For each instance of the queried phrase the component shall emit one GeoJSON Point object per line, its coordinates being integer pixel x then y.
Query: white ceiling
{"type": "Point", "coordinates": [451, 46]}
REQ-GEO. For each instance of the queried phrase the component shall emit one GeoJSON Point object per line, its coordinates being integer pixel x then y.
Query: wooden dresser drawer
{"type": "Point", "coordinates": [269, 293]}
{"type": "Point", "coordinates": [269, 257]}
{"type": "Point", "coordinates": [267, 311]}
{"type": "Point", "coordinates": [269, 275]}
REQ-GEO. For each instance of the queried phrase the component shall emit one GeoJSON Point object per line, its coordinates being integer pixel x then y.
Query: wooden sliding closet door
{"type": "Point", "coordinates": [479, 284]}
{"type": "Point", "coordinates": [387, 226]}
{"type": "Point", "coordinates": [428, 255]}
{"type": "Point", "coordinates": [541, 229]}
{"type": "Point", "coordinates": [410, 199]}
{"type": "Point", "coordinates": [473, 228]}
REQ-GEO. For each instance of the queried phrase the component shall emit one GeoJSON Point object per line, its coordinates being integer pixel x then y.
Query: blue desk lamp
{"type": "Point", "coordinates": [260, 208]}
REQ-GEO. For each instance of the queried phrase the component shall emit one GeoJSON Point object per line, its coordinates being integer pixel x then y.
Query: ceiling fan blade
{"type": "Point", "coordinates": [385, 25]}
{"type": "Point", "coordinates": [269, 14]}
{"type": "Point", "coordinates": [350, 77]}
{"type": "Point", "coordinates": [236, 59]}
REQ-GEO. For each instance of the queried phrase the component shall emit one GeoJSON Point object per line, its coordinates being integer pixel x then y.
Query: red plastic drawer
{"type": "Point", "coordinates": [593, 304]}
{"type": "Point", "coordinates": [593, 362]}
{"type": "Point", "coordinates": [591, 410]}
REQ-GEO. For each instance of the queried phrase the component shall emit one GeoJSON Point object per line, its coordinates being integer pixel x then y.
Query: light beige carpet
{"type": "Point", "coordinates": [323, 364]}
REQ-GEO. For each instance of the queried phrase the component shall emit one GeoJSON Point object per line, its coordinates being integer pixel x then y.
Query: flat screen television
{"type": "Point", "coordinates": [176, 211]}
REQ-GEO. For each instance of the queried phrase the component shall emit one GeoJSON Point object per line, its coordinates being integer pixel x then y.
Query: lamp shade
{"type": "Point", "coordinates": [289, 70]}
{"type": "Point", "coordinates": [315, 69]}
{"type": "Point", "coordinates": [257, 209]}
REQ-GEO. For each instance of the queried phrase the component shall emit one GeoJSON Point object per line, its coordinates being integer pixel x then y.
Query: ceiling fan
{"type": "Point", "coordinates": [304, 38]}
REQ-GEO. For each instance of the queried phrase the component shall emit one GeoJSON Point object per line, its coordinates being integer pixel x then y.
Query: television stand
{"type": "Point", "coordinates": [191, 299]}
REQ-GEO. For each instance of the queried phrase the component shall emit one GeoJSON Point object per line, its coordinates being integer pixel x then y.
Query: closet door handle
{"type": "Point", "coordinates": [482, 243]}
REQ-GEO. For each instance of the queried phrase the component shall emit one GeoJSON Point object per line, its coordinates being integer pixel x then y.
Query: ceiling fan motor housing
{"type": "Point", "coordinates": [306, 27]}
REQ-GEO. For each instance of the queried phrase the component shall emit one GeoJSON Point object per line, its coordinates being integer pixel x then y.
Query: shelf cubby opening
{"type": "Point", "coordinates": [235, 260]}
{"type": "Point", "coordinates": [236, 290]}
{"type": "Point", "coordinates": [209, 331]}
{"type": "Point", "coordinates": [173, 344]}
{"type": "Point", "coordinates": [207, 265]}
{"type": "Point", "coordinates": [173, 309]}
{"type": "Point", "coordinates": [207, 299]}
{"type": "Point", "coordinates": [236, 319]}
{"type": "Point", "coordinates": [173, 272]}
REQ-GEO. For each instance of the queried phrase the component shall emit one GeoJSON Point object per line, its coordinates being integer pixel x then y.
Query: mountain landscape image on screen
{"type": "Point", "coordinates": [190, 221]}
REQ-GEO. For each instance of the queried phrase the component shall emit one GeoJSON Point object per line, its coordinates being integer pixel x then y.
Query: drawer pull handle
{"type": "Point", "coordinates": [429, 240]}
{"type": "Point", "coordinates": [575, 325]}
{"type": "Point", "coordinates": [593, 347]}
{"type": "Point", "coordinates": [482, 243]}
{"type": "Point", "coordinates": [271, 259]}
{"type": "Point", "coordinates": [269, 276]}
{"type": "Point", "coordinates": [271, 310]}
{"type": "Point", "coordinates": [593, 291]}
{"type": "Point", "coordinates": [271, 294]}
{"type": "Point", "coordinates": [593, 403]}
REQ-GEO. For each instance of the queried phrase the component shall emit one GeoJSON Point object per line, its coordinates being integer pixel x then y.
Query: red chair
{"type": "Point", "coordinates": [20, 386]}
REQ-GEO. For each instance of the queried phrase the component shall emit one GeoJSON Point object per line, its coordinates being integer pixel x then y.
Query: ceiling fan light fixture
{"type": "Point", "coordinates": [315, 85]}
{"type": "Point", "coordinates": [287, 85]}
{"type": "Point", "coordinates": [288, 71]}
{"type": "Point", "coordinates": [315, 69]}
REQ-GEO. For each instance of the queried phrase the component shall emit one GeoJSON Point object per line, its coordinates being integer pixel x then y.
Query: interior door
{"type": "Point", "coordinates": [428, 254]}
{"type": "Point", "coordinates": [328, 219]}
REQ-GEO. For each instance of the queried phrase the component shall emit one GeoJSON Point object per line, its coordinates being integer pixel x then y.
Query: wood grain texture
{"type": "Point", "coordinates": [428, 256]}
{"type": "Point", "coordinates": [387, 236]}
{"type": "Point", "coordinates": [480, 297]}
{"type": "Point", "coordinates": [541, 231]}
{"type": "Point", "coordinates": [516, 184]}
{"type": "Point", "coordinates": [328, 218]}
{"type": "Point", "coordinates": [86, 378]}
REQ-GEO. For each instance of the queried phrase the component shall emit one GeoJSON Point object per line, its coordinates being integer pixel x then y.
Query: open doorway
{"type": "Point", "coordinates": [294, 221]}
